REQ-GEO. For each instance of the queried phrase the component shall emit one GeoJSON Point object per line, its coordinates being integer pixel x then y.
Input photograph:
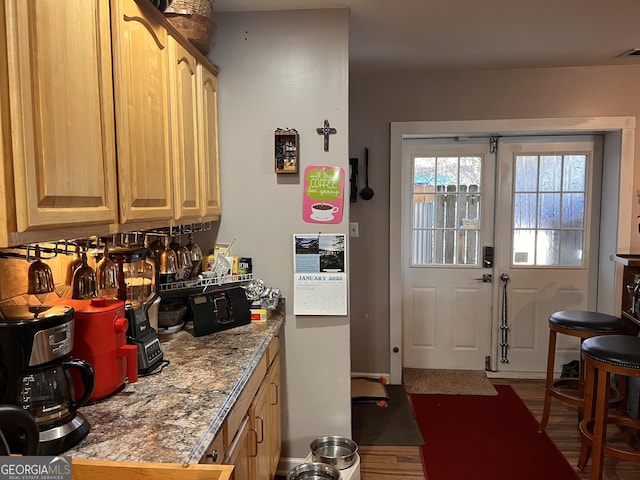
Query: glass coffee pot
{"type": "Point", "coordinates": [46, 391]}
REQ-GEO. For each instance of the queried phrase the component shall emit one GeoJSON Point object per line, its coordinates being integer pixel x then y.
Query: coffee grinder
{"type": "Point", "coordinates": [137, 279]}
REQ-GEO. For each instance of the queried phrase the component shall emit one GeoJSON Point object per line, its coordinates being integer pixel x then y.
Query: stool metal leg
{"type": "Point", "coordinates": [551, 356]}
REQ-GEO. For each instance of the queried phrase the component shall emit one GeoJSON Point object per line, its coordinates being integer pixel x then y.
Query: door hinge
{"type": "Point", "coordinates": [493, 144]}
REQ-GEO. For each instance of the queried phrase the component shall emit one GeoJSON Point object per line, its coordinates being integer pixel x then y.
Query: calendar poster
{"type": "Point", "coordinates": [320, 277]}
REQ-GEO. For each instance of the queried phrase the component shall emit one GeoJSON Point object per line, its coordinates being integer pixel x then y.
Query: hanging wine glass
{"type": "Point", "coordinates": [39, 276]}
{"type": "Point", "coordinates": [196, 256]}
{"type": "Point", "coordinates": [107, 274]}
{"type": "Point", "coordinates": [73, 265]}
{"type": "Point", "coordinates": [85, 284]}
{"type": "Point", "coordinates": [156, 247]}
{"type": "Point", "coordinates": [183, 257]}
{"type": "Point", "coordinates": [168, 263]}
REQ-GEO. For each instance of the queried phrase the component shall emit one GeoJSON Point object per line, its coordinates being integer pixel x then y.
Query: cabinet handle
{"type": "Point", "coordinates": [255, 443]}
{"type": "Point", "coordinates": [213, 456]}
{"type": "Point", "coordinates": [261, 430]}
{"type": "Point", "coordinates": [277, 394]}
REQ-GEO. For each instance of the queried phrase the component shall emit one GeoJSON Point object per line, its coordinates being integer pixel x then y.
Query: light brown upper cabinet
{"type": "Point", "coordinates": [141, 87]}
{"type": "Point", "coordinates": [108, 121]}
{"type": "Point", "coordinates": [57, 123]}
{"type": "Point", "coordinates": [194, 135]}
{"type": "Point", "coordinates": [183, 81]}
{"type": "Point", "coordinates": [209, 157]}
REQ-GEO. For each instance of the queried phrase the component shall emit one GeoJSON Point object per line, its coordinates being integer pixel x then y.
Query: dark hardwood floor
{"type": "Point", "coordinates": [396, 463]}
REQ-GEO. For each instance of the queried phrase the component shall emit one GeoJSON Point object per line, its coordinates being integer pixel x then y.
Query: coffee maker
{"type": "Point", "coordinates": [35, 365]}
{"type": "Point", "coordinates": [137, 279]}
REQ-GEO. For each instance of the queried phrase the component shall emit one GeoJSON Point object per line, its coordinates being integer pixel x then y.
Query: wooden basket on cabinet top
{"type": "Point", "coordinates": [84, 469]}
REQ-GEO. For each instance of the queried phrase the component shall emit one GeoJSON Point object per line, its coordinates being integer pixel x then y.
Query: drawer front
{"type": "Point", "coordinates": [215, 452]}
{"type": "Point", "coordinates": [273, 349]}
{"type": "Point", "coordinates": [246, 397]}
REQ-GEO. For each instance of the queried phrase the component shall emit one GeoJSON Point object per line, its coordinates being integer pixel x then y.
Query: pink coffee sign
{"type": "Point", "coordinates": [323, 194]}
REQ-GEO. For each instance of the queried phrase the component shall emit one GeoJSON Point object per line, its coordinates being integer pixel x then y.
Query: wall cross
{"type": "Point", "coordinates": [326, 130]}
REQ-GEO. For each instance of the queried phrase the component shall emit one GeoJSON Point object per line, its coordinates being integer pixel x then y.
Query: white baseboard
{"type": "Point", "coordinates": [386, 376]}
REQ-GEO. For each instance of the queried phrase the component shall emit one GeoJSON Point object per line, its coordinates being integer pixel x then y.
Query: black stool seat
{"type": "Point", "coordinates": [603, 357]}
{"type": "Point", "coordinates": [583, 325]}
{"type": "Point", "coordinates": [619, 350]}
{"type": "Point", "coordinates": [584, 321]}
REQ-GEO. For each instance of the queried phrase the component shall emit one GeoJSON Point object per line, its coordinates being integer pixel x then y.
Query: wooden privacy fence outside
{"type": "Point", "coordinates": [446, 226]}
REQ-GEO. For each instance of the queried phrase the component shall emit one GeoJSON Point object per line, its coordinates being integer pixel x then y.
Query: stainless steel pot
{"type": "Point", "coordinates": [314, 471]}
{"type": "Point", "coordinates": [336, 451]}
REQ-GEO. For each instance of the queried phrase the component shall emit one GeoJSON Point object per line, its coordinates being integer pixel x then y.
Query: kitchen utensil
{"type": "Point", "coordinates": [39, 276]}
{"type": "Point", "coordinates": [100, 338]}
{"type": "Point", "coordinates": [137, 278]}
{"type": "Point", "coordinates": [107, 274]}
{"type": "Point", "coordinates": [85, 282]}
{"type": "Point", "coordinates": [171, 317]}
{"type": "Point", "coordinates": [313, 471]}
{"type": "Point", "coordinates": [334, 450]}
{"type": "Point", "coordinates": [366, 193]}
{"type": "Point", "coordinates": [35, 343]}
{"type": "Point", "coordinates": [17, 423]}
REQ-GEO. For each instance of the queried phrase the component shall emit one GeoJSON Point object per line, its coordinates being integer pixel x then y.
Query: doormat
{"type": "Point", "coordinates": [447, 382]}
{"type": "Point", "coordinates": [368, 390]}
{"type": "Point", "coordinates": [390, 426]}
{"type": "Point", "coordinates": [485, 438]}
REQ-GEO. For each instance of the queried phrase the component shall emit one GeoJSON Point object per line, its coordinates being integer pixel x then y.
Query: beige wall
{"type": "Point", "coordinates": [286, 69]}
{"type": "Point", "coordinates": [377, 100]}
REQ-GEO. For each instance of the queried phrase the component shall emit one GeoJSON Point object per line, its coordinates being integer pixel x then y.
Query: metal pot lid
{"type": "Point", "coordinates": [18, 314]}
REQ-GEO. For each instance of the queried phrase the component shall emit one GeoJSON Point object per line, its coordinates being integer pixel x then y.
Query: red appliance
{"type": "Point", "coordinates": [100, 338]}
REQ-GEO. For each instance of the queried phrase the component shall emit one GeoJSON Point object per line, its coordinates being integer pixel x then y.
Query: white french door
{"type": "Point", "coordinates": [463, 307]}
{"type": "Point", "coordinates": [546, 243]}
{"type": "Point", "coordinates": [447, 216]}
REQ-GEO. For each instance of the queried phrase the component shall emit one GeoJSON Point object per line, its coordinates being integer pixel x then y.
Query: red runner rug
{"type": "Point", "coordinates": [485, 438]}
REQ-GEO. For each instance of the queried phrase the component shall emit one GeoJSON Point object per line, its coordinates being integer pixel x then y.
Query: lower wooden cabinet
{"type": "Point", "coordinates": [250, 438]}
{"type": "Point", "coordinates": [238, 453]}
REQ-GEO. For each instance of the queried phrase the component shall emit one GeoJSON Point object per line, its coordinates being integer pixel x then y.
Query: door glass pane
{"type": "Point", "coordinates": [549, 214]}
{"type": "Point", "coordinates": [549, 209]}
{"type": "Point", "coordinates": [550, 173]}
{"type": "Point", "coordinates": [446, 210]}
{"type": "Point", "coordinates": [524, 210]}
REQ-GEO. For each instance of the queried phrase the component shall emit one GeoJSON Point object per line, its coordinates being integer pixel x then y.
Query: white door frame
{"type": "Point", "coordinates": [617, 193]}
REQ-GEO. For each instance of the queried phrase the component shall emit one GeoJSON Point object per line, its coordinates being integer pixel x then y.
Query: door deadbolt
{"type": "Point", "coordinates": [486, 278]}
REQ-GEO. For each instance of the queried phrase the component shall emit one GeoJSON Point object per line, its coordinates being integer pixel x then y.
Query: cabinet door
{"type": "Point", "coordinates": [259, 417]}
{"type": "Point", "coordinates": [238, 453]}
{"type": "Point", "coordinates": [275, 415]}
{"type": "Point", "coordinates": [61, 103]}
{"type": "Point", "coordinates": [209, 158]}
{"type": "Point", "coordinates": [140, 64]}
{"type": "Point", "coordinates": [183, 81]}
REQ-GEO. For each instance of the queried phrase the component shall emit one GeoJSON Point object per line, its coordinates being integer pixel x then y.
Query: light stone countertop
{"type": "Point", "coordinates": [173, 416]}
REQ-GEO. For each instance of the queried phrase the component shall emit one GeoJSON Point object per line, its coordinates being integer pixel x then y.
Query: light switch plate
{"type": "Point", "coordinates": [353, 229]}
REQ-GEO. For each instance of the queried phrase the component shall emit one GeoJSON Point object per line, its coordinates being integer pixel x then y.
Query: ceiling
{"type": "Point", "coordinates": [472, 34]}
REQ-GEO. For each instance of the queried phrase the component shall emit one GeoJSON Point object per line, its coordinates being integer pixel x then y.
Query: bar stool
{"type": "Point", "coordinates": [582, 324]}
{"type": "Point", "coordinates": [603, 356]}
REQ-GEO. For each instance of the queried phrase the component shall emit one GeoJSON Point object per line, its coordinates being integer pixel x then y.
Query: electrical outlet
{"type": "Point", "coordinates": [353, 229]}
